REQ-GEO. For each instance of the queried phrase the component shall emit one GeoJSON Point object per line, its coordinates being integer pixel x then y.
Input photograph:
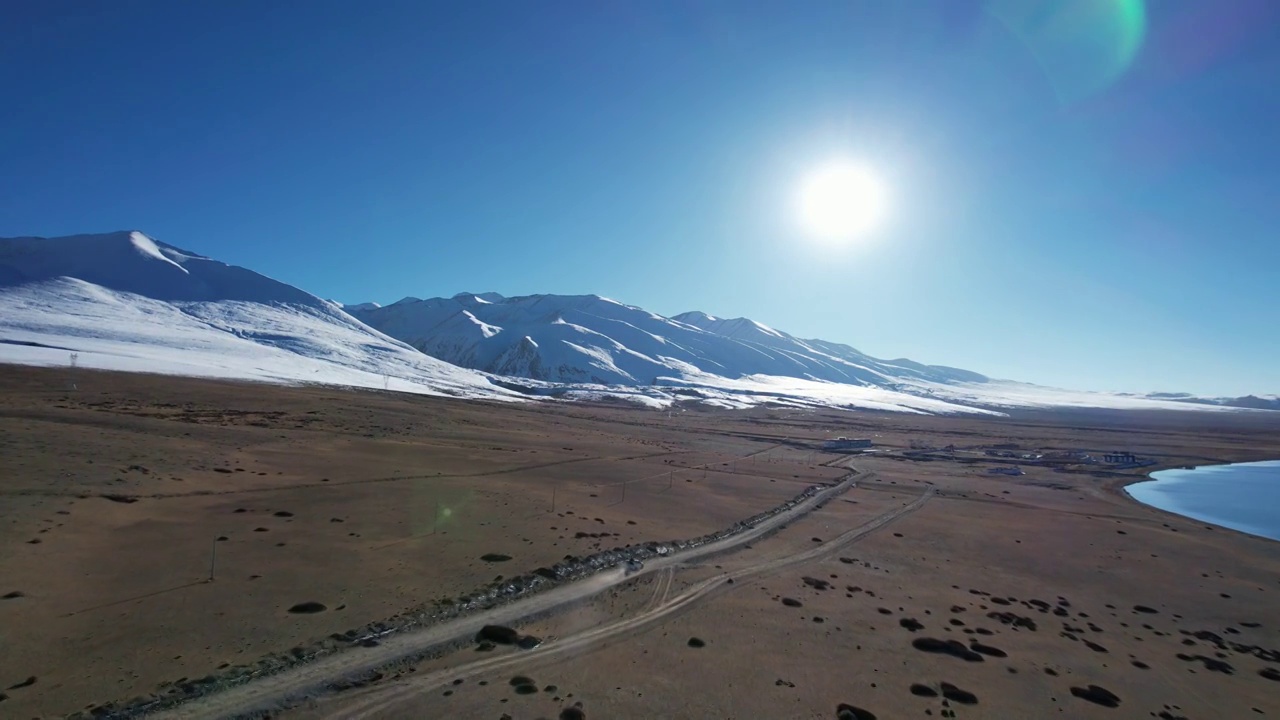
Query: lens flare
{"type": "Point", "coordinates": [1082, 46]}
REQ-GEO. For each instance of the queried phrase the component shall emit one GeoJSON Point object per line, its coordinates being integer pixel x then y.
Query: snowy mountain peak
{"type": "Point", "coordinates": [590, 339]}
{"type": "Point", "coordinates": [696, 318]}
{"type": "Point", "coordinates": [127, 302]}
{"type": "Point", "coordinates": [130, 261]}
{"type": "Point", "coordinates": [485, 298]}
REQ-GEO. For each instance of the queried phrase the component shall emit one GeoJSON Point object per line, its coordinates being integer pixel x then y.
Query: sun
{"type": "Point", "coordinates": [841, 202]}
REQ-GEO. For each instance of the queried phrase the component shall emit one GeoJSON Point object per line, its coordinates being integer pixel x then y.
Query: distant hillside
{"type": "Point", "coordinates": [124, 301]}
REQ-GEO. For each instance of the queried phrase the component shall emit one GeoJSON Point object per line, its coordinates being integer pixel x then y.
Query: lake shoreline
{"type": "Point", "coordinates": [1124, 488]}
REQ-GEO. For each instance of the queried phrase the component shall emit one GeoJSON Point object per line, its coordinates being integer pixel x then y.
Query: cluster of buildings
{"type": "Point", "coordinates": [844, 444]}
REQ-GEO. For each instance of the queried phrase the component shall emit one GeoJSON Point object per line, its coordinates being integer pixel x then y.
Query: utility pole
{"type": "Point", "coordinates": [624, 491]}
{"type": "Point", "coordinates": [213, 558]}
{"type": "Point", "coordinates": [553, 498]}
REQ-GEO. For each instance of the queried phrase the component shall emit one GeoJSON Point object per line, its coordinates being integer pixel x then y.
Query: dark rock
{"type": "Point", "coordinates": [697, 642]}
{"type": "Point", "coordinates": [1017, 621]}
{"type": "Point", "coordinates": [573, 713]}
{"type": "Point", "coordinates": [499, 634]}
{"type": "Point", "coordinates": [528, 642]}
{"type": "Point", "coordinates": [31, 680]}
{"type": "Point", "coordinates": [126, 499]}
{"type": "Point", "coordinates": [14, 595]}
{"type": "Point", "coordinates": [1097, 694]}
{"type": "Point", "coordinates": [1210, 664]}
{"type": "Point", "coordinates": [955, 694]}
{"type": "Point", "coordinates": [495, 557]}
{"type": "Point", "coordinates": [308, 608]}
{"type": "Point", "coordinates": [816, 583]}
{"type": "Point", "coordinates": [946, 647]}
{"type": "Point", "coordinates": [1270, 673]}
{"type": "Point", "coordinates": [923, 690]}
{"type": "Point", "coordinates": [282, 513]}
{"type": "Point", "coordinates": [911, 624]}
{"type": "Point", "coordinates": [845, 711]}
{"type": "Point", "coordinates": [987, 649]}
{"type": "Point", "coordinates": [792, 602]}
{"type": "Point", "coordinates": [1145, 609]}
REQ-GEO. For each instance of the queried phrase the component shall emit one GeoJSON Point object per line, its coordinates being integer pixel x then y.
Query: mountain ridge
{"type": "Point", "coordinates": [123, 300]}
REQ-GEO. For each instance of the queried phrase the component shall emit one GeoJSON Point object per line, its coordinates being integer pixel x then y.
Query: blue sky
{"type": "Point", "coordinates": [1062, 213]}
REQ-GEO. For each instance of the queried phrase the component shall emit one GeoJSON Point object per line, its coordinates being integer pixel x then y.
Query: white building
{"type": "Point", "coordinates": [844, 444]}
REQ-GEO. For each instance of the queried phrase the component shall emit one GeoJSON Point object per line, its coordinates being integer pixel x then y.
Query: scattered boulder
{"type": "Point", "coordinates": [31, 680]}
{"type": "Point", "coordinates": [989, 650]}
{"type": "Point", "coordinates": [697, 642]}
{"type": "Point", "coordinates": [1210, 664]}
{"type": "Point", "coordinates": [282, 513]}
{"type": "Point", "coordinates": [911, 624]}
{"type": "Point", "coordinates": [495, 557]}
{"type": "Point", "coordinates": [1097, 694]}
{"type": "Point", "coordinates": [792, 602]}
{"type": "Point", "coordinates": [308, 608]}
{"type": "Point", "coordinates": [126, 499]}
{"type": "Point", "coordinates": [955, 694]}
{"type": "Point", "coordinates": [1270, 673]}
{"type": "Point", "coordinates": [573, 713]}
{"type": "Point", "coordinates": [923, 690]}
{"type": "Point", "coordinates": [953, 648]}
{"type": "Point", "coordinates": [14, 595]}
{"type": "Point", "coordinates": [499, 634]}
{"type": "Point", "coordinates": [816, 583]}
{"type": "Point", "coordinates": [845, 711]}
{"type": "Point", "coordinates": [1017, 621]}
{"type": "Point", "coordinates": [1145, 609]}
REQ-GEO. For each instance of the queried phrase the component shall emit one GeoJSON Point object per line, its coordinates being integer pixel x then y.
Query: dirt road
{"type": "Point", "coordinates": [382, 699]}
{"type": "Point", "coordinates": [305, 680]}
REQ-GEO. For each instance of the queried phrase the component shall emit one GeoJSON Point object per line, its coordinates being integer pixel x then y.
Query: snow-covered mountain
{"type": "Point", "coordinates": [597, 346]}
{"type": "Point", "coordinates": [124, 301]}
{"type": "Point", "coordinates": [590, 339]}
{"type": "Point", "coordinates": [1252, 402]}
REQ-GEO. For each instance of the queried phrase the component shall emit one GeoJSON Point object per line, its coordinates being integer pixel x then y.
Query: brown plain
{"type": "Point", "coordinates": [366, 505]}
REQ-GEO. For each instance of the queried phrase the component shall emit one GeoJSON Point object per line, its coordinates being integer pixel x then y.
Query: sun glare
{"type": "Point", "coordinates": [842, 202]}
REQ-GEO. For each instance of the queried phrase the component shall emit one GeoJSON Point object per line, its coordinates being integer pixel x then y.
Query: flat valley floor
{"type": "Point", "coordinates": [930, 588]}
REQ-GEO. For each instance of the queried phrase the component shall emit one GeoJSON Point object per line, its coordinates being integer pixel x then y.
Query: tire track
{"type": "Point", "coordinates": [382, 698]}
{"type": "Point", "coordinates": [265, 693]}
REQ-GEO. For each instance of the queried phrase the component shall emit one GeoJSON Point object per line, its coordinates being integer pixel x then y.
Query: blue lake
{"type": "Point", "coordinates": [1244, 496]}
